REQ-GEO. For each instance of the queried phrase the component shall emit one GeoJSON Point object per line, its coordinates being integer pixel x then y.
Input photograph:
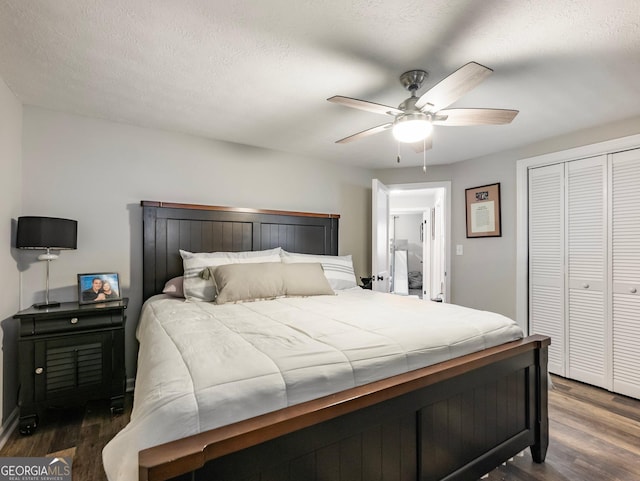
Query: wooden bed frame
{"type": "Point", "coordinates": [455, 420]}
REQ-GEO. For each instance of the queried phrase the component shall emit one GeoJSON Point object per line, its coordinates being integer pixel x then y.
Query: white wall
{"type": "Point", "coordinates": [97, 172]}
{"type": "Point", "coordinates": [10, 189]}
{"type": "Point", "coordinates": [484, 277]}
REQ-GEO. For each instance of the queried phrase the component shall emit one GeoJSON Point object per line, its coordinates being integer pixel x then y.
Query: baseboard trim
{"type": "Point", "coordinates": [9, 426]}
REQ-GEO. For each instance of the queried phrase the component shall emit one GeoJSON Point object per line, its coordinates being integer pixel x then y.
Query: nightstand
{"type": "Point", "coordinates": [69, 355]}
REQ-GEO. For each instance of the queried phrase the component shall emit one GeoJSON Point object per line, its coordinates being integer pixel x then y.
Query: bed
{"type": "Point", "coordinates": [456, 418]}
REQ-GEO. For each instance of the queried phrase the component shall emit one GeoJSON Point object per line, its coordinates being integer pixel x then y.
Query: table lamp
{"type": "Point", "coordinates": [46, 233]}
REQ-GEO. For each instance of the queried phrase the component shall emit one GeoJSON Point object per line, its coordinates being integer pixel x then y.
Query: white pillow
{"type": "Point", "coordinates": [337, 269]}
{"type": "Point", "coordinates": [198, 289]}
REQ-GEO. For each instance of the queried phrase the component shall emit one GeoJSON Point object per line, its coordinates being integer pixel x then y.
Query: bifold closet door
{"type": "Point", "coordinates": [625, 268]}
{"type": "Point", "coordinates": [588, 341]}
{"type": "Point", "coordinates": [546, 260]}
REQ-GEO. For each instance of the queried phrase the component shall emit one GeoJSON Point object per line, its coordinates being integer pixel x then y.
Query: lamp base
{"type": "Point", "coordinates": [46, 305]}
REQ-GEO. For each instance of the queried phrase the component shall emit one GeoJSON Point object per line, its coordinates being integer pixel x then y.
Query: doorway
{"type": "Point", "coordinates": [411, 232]}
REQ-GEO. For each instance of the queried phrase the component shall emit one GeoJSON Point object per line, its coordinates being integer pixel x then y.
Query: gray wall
{"type": "Point", "coordinates": [484, 277]}
{"type": "Point", "coordinates": [97, 172]}
{"type": "Point", "coordinates": [10, 189]}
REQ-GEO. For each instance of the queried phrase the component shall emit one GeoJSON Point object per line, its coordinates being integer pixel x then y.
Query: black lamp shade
{"type": "Point", "coordinates": [46, 233]}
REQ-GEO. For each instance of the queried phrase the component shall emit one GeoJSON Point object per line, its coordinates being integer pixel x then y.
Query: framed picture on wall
{"type": "Point", "coordinates": [483, 211]}
{"type": "Point", "coordinates": [98, 287]}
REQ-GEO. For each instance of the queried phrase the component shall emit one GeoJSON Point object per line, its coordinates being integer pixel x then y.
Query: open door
{"type": "Point", "coordinates": [427, 262]}
{"type": "Point", "coordinates": [380, 236]}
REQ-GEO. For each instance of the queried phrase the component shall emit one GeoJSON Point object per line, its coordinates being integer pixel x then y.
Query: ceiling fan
{"type": "Point", "coordinates": [416, 116]}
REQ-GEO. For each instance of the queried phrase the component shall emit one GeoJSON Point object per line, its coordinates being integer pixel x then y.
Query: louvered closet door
{"type": "Point", "coordinates": [587, 345]}
{"type": "Point", "coordinates": [546, 260]}
{"type": "Point", "coordinates": [625, 262]}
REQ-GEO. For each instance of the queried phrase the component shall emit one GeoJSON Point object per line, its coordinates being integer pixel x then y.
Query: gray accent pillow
{"type": "Point", "coordinates": [173, 287]}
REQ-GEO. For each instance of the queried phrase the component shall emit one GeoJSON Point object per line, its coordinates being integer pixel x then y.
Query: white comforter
{"type": "Point", "coordinates": [203, 365]}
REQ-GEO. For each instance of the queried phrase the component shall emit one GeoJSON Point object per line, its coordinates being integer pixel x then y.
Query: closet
{"type": "Point", "coordinates": [584, 267]}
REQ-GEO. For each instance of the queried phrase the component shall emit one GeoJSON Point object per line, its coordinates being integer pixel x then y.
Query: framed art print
{"type": "Point", "coordinates": [483, 211]}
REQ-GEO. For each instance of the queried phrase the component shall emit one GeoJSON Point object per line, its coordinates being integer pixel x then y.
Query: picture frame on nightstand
{"type": "Point", "coordinates": [98, 287]}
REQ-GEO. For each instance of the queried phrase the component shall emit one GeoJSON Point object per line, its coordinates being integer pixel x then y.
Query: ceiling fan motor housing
{"type": "Point", "coordinates": [413, 79]}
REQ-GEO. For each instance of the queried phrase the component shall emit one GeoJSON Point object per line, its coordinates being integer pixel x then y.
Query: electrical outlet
{"type": "Point", "coordinates": [459, 250]}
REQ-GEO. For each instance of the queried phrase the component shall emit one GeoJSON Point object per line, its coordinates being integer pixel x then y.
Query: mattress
{"type": "Point", "coordinates": [202, 365]}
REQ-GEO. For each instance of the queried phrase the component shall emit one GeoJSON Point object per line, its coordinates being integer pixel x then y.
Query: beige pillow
{"type": "Point", "coordinates": [306, 279]}
{"type": "Point", "coordinates": [246, 282]}
{"type": "Point", "coordinates": [337, 269]}
{"type": "Point", "coordinates": [270, 280]}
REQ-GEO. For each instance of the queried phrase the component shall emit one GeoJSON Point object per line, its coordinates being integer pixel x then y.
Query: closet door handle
{"type": "Point", "coordinates": [585, 285]}
{"type": "Point", "coordinates": [633, 290]}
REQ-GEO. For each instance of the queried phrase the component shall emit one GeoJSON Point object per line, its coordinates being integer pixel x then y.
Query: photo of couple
{"type": "Point", "coordinates": [98, 288]}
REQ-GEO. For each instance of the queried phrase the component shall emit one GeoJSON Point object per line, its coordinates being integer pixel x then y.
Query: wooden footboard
{"type": "Point", "coordinates": [456, 420]}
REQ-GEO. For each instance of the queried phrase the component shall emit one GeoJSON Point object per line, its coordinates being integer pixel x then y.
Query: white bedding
{"type": "Point", "coordinates": [202, 365]}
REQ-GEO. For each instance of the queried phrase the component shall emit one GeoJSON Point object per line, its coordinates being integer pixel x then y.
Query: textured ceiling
{"type": "Point", "coordinates": [259, 72]}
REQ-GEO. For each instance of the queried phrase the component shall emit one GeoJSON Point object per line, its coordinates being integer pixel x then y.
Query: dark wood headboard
{"type": "Point", "coordinates": [168, 227]}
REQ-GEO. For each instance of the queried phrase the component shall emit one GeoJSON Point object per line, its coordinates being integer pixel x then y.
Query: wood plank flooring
{"type": "Point", "coordinates": [595, 436]}
{"type": "Point", "coordinates": [78, 432]}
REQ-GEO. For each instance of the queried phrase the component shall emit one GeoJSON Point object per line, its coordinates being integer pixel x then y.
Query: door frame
{"type": "Point", "coordinates": [446, 185]}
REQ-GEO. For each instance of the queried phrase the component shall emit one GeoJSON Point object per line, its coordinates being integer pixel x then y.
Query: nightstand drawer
{"type": "Point", "coordinates": [74, 323]}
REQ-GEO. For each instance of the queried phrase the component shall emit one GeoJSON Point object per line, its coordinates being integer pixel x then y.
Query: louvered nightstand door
{"type": "Point", "coordinates": [74, 366]}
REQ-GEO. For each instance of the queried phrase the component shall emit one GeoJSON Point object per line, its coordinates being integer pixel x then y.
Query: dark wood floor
{"type": "Point", "coordinates": [595, 436]}
{"type": "Point", "coordinates": [79, 432]}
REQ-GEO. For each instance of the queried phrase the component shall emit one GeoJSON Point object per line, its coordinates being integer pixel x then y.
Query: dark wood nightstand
{"type": "Point", "coordinates": [68, 355]}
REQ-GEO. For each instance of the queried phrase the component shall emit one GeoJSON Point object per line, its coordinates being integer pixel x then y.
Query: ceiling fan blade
{"type": "Point", "coordinates": [422, 146]}
{"type": "Point", "coordinates": [364, 105]}
{"type": "Point", "coordinates": [451, 88]}
{"type": "Point", "coordinates": [365, 133]}
{"type": "Point", "coordinates": [457, 117]}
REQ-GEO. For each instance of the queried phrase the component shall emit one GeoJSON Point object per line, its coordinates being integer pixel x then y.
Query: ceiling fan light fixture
{"type": "Point", "coordinates": [410, 128]}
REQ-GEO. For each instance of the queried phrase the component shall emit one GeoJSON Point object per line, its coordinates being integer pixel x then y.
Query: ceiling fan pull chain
{"type": "Point", "coordinates": [398, 158]}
